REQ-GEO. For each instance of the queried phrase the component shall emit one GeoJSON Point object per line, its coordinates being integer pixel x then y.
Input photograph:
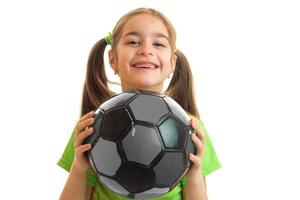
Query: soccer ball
{"type": "Point", "coordinates": [140, 144]}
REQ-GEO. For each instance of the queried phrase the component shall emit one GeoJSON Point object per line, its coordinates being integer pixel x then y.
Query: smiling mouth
{"type": "Point", "coordinates": [145, 66]}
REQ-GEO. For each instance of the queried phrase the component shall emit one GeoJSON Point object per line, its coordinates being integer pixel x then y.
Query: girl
{"type": "Point", "coordinates": [143, 54]}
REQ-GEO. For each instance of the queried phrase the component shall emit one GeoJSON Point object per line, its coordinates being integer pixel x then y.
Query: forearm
{"type": "Point", "coordinates": [195, 190]}
{"type": "Point", "coordinates": [75, 187]}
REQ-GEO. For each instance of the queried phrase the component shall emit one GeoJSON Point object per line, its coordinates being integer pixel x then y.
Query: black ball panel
{"type": "Point", "coordinates": [190, 148]}
{"type": "Point", "coordinates": [148, 108]}
{"type": "Point", "coordinates": [106, 150]}
{"type": "Point", "coordinates": [177, 110]}
{"type": "Point", "coordinates": [143, 145]}
{"type": "Point", "coordinates": [92, 139]}
{"type": "Point", "coordinates": [172, 133]}
{"type": "Point", "coordinates": [116, 101]}
{"type": "Point", "coordinates": [116, 124]}
{"type": "Point", "coordinates": [135, 178]}
{"type": "Point", "coordinates": [169, 169]}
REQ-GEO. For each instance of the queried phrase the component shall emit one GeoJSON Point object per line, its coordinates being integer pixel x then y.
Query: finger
{"type": "Point", "coordinates": [80, 138]}
{"type": "Point", "coordinates": [196, 160]}
{"type": "Point", "coordinates": [199, 145]}
{"type": "Point", "coordinates": [81, 149]}
{"type": "Point", "coordinates": [199, 131]}
{"type": "Point", "coordinates": [83, 125]}
{"type": "Point", "coordinates": [86, 116]}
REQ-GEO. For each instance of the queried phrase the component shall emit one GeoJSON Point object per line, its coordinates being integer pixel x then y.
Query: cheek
{"type": "Point", "coordinates": [168, 56]}
{"type": "Point", "coordinates": [168, 59]}
{"type": "Point", "coordinates": [124, 58]}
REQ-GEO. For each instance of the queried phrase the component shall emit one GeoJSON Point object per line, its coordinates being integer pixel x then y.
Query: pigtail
{"type": "Point", "coordinates": [95, 89]}
{"type": "Point", "coordinates": [181, 87]}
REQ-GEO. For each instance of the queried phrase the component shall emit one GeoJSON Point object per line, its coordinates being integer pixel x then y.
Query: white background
{"type": "Point", "coordinates": [245, 56]}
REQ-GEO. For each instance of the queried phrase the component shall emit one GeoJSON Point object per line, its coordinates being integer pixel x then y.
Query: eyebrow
{"type": "Point", "coordinates": [137, 33]}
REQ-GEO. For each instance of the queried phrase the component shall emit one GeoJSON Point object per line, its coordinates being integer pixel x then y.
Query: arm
{"type": "Point", "coordinates": [76, 187]}
{"type": "Point", "coordinates": [195, 189]}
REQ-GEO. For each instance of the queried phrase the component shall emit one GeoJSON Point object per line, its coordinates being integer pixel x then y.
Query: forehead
{"type": "Point", "coordinates": [145, 24]}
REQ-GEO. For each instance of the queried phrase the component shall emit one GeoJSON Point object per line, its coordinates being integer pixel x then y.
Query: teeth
{"type": "Point", "coordinates": [145, 66]}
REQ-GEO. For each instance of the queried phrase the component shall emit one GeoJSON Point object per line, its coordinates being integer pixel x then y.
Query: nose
{"type": "Point", "coordinates": [145, 49]}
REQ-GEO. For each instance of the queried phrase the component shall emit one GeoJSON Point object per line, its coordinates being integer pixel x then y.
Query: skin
{"type": "Point", "coordinates": [76, 187]}
{"type": "Point", "coordinates": [144, 41]}
{"type": "Point", "coordinates": [196, 187]}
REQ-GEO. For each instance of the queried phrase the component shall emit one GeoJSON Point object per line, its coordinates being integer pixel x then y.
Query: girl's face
{"type": "Point", "coordinates": [143, 57]}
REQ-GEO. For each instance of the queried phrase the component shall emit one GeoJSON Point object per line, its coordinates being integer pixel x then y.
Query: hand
{"type": "Point", "coordinates": [80, 161]}
{"type": "Point", "coordinates": [195, 172]}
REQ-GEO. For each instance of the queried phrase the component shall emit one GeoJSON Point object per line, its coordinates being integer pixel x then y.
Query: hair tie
{"type": "Point", "coordinates": [108, 38]}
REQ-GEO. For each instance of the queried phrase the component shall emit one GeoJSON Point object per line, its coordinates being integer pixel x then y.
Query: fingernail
{"type": "Point", "coordinates": [193, 123]}
{"type": "Point", "coordinates": [194, 136]}
{"type": "Point", "coordinates": [192, 155]}
{"type": "Point", "coordinates": [90, 130]}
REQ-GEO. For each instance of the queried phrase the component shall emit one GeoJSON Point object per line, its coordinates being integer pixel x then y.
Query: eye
{"type": "Point", "coordinates": [133, 42]}
{"type": "Point", "coordinates": [159, 44]}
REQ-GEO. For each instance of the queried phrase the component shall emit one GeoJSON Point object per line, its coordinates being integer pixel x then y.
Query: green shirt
{"type": "Point", "coordinates": [210, 163]}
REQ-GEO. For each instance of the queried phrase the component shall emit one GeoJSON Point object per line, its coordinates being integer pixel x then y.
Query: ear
{"type": "Point", "coordinates": [173, 62]}
{"type": "Point", "coordinates": [113, 61]}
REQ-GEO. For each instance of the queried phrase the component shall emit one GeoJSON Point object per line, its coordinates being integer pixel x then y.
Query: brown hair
{"type": "Point", "coordinates": [96, 89]}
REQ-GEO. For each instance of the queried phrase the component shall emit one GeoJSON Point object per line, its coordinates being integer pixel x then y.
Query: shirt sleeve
{"type": "Point", "coordinates": [210, 159]}
{"type": "Point", "coordinates": [67, 158]}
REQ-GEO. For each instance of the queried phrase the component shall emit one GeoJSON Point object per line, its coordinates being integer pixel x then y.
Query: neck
{"type": "Point", "coordinates": [157, 89]}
